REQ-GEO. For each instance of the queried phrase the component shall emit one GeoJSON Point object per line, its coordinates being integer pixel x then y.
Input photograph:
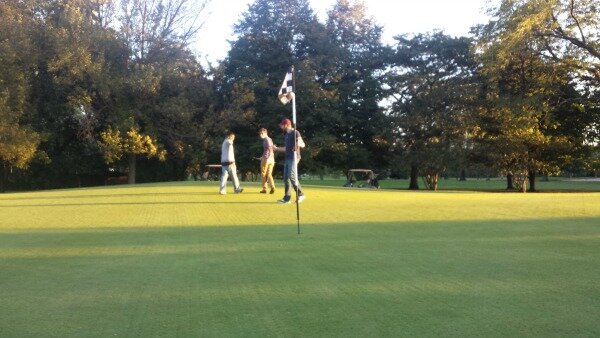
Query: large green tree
{"type": "Point", "coordinates": [534, 117]}
{"type": "Point", "coordinates": [164, 91]}
{"type": "Point", "coordinates": [271, 37]}
{"type": "Point", "coordinates": [19, 142]}
{"type": "Point", "coordinates": [563, 31]}
{"type": "Point", "coordinates": [431, 86]}
{"type": "Point", "coordinates": [68, 41]}
{"type": "Point", "coordinates": [337, 81]}
{"type": "Point", "coordinates": [85, 66]}
{"type": "Point", "coordinates": [354, 77]}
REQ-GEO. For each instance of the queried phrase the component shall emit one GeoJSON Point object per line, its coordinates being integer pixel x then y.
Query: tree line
{"type": "Point", "coordinates": [94, 89]}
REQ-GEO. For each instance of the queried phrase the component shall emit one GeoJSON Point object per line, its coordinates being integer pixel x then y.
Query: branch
{"type": "Point", "coordinates": [559, 33]}
{"type": "Point", "coordinates": [572, 12]}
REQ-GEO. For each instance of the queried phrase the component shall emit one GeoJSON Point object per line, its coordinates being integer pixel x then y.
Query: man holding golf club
{"type": "Point", "coordinates": [228, 165]}
{"type": "Point", "coordinates": [267, 161]}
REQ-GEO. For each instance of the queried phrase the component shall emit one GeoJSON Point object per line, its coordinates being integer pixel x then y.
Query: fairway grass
{"type": "Point", "coordinates": [177, 259]}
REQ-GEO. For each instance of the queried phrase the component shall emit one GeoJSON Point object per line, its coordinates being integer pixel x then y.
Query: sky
{"type": "Point", "coordinates": [396, 16]}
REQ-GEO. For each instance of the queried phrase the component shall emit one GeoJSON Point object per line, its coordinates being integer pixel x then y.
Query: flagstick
{"type": "Point", "coordinates": [296, 151]}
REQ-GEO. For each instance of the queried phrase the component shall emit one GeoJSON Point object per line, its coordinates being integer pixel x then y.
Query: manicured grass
{"type": "Point", "coordinates": [496, 184]}
{"type": "Point", "coordinates": [177, 259]}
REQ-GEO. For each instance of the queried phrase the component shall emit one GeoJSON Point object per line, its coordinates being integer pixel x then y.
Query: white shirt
{"type": "Point", "coordinates": [227, 151]}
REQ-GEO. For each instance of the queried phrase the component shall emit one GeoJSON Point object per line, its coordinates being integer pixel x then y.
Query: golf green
{"type": "Point", "coordinates": [178, 259]}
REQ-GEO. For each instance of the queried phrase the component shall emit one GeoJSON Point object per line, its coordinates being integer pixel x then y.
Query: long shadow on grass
{"type": "Point", "coordinates": [460, 278]}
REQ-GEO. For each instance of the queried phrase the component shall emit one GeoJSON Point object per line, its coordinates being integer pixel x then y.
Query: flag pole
{"type": "Point", "coordinates": [295, 150]}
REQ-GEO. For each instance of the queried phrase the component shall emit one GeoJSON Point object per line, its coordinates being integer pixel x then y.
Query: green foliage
{"type": "Point", "coordinates": [114, 145]}
{"type": "Point", "coordinates": [562, 31]}
{"type": "Point", "coordinates": [431, 87]}
{"type": "Point", "coordinates": [18, 144]}
{"type": "Point", "coordinates": [337, 67]}
{"type": "Point", "coordinates": [524, 127]}
{"type": "Point", "coordinates": [74, 69]}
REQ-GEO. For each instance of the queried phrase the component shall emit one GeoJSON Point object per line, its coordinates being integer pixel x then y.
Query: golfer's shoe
{"type": "Point", "coordinates": [239, 191]}
{"type": "Point", "coordinates": [301, 198]}
{"type": "Point", "coordinates": [264, 191]}
{"type": "Point", "coordinates": [222, 193]}
{"type": "Point", "coordinates": [284, 201]}
{"type": "Point", "coordinates": [272, 191]}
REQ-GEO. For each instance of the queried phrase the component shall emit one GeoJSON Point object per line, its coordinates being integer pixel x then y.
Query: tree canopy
{"type": "Point", "coordinates": [94, 88]}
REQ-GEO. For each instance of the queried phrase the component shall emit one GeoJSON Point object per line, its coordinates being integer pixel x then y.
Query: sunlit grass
{"type": "Point", "coordinates": [199, 204]}
{"type": "Point", "coordinates": [177, 259]}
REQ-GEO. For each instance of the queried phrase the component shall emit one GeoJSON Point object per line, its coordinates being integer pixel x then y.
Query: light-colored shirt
{"type": "Point", "coordinates": [227, 151]}
{"type": "Point", "coordinates": [268, 150]}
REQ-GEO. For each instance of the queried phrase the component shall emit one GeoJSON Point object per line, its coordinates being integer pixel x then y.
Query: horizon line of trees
{"type": "Point", "coordinates": [96, 88]}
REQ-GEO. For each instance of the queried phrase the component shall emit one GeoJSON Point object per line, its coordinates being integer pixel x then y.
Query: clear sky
{"type": "Point", "coordinates": [396, 16]}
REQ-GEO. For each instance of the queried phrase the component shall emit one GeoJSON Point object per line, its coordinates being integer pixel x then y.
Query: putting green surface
{"type": "Point", "coordinates": [177, 259]}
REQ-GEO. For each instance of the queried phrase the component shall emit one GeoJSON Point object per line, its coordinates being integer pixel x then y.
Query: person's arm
{"type": "Point", "coordinates": [279, 149]}
{"type": "Point", "coordinates": [299, 140]}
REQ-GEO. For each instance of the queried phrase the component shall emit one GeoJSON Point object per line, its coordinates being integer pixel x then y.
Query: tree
{"type": "Point", "coordinates": [160, 74]}
{"type": "Point", "coordinates": [63, 79]}
{"type": "Point", "coordinates": [355, 67]}
{"type": "Point", "coordinates": [72, 69]}
{"type": "Point", "coordinates": [150, 26]}
{"type": "Point", "coordinates": [337, 80]}
{"type": "Point", "coordinates": [131, 145]}
{"type": "Point", "coordinates": [562, 31]}
{"type": "Point", "coordinates": [272, 37]}
{"type": "Point", "coordinates": [18, 141]}
{"type": "Point", "coordinates": [526, 95]}
{"type": "Point", "coordinates": [430, 87]}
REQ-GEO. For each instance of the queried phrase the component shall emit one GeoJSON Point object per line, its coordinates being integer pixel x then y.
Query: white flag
{"type": "Point", "coordinates": [286, 92]}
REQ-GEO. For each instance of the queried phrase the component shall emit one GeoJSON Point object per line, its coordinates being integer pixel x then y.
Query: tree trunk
{"type": "Point", "coordinates": [510, 181]}
{"type": "Point", "coordinates": [414, 176]}
{"type": "Point", "coordinates": [520, 180]}
{"type": "Point", "coordinates": [531, 175]}
{"type": "Point", "coordinates": [432, 181]}
{"type": "Point", "coordinates": [131, 177]}
{"type": "Point", "coordinates": [3, 176]}
{"type": "Point", "coordinates": [463, 175]}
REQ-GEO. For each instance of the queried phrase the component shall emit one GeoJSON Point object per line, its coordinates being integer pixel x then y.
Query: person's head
{"type": "Point", "coordinates": [262, 132]}
{"type": "Point", "coordinates": [285, 124]}
{"type": "Point", "coordinates": [230, 136]}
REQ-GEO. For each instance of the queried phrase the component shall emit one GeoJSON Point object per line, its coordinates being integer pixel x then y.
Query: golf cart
{"type": "Point", "coordinates": [362, 178]}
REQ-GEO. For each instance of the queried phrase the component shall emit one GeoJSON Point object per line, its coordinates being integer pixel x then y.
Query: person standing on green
{"type": "Point", "coordinates": [293, 143]}
{"type": "Point", "coordinates": [228, 165]}
{"type": "Point", "coordinates": [267, 161]}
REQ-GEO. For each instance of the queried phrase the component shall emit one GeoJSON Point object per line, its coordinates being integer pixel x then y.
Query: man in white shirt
{"type": "Point", "coordinates": [228, 165]}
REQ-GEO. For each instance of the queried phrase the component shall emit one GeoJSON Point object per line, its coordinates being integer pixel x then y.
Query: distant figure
{"type": "Point", "coordinates": [267, 161]}
{"type": "Point", "coordinates": [292, 138]}
{"type": "Point", "coordinates": [228, 165]}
